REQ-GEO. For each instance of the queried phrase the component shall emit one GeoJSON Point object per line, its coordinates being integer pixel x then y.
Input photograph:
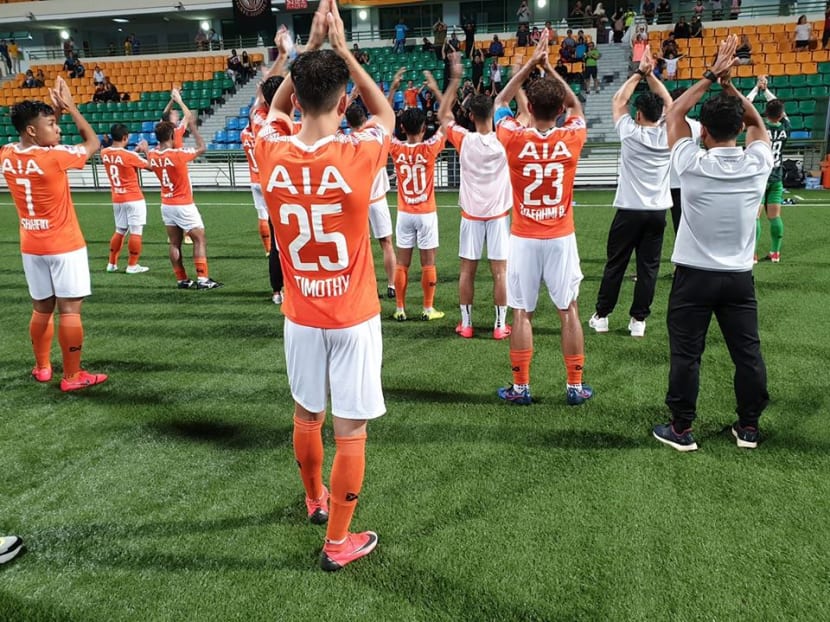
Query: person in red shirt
{"type": "Point", "coordinates": [542, 159]}
{"type": "Point", "coordinates": [317, 185]}
{"type": "Point", "coordinates": [178, 212]}
{"type": "Point", "coordinates": [51, 242]}
{"type": "Point", "coordinates": [128, 204]}
{"type": "Point", "coordinates": [410, 95]}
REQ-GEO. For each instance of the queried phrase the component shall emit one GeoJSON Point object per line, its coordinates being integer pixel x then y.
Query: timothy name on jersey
{"type": "Point", "coordinates": [323, 288]}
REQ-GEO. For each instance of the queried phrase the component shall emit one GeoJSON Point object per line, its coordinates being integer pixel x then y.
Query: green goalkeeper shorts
{"type": "Point", "coordinates": [774, 194]}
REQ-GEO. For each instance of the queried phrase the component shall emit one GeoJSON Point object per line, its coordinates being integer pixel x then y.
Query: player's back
{"type": "Point", "coordinates": [170, 166]}
{"type": "Point", "coordinates": [485, 190]}
{"type": "Point", "coordinates": [778, 133]}
{"type": "Point", "coordinates": [415, 170]}
{"type": "Point", "coordinates": [248, 139]}
{"type": "Point", "coordinates": [122, 167]}
{"type": "Point", "coordinates": [318, 196]}
{"type": "Point", "coordinates": [37, 181]}
{"type": "Point", "coordinates": [542, 171]}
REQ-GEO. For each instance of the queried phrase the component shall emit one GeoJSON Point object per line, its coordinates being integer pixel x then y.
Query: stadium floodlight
{"type": "Point", "coordinates": [205, 25]}
{"type": "Point", "coordinates": [64, 35]}
{"type": "Point", "coordinates": [541, 3]}
{"type": "Point", "coordinates": [120, 20]}
{"type": "Point", "coordinates": [363, 14]}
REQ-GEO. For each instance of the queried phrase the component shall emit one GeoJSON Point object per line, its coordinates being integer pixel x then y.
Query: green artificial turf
{"type": "Point", "coordinates": [170, 492]}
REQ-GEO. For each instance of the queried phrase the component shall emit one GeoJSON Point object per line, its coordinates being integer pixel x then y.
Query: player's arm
{"type": "Point", "coordinates": [573, 107]}
{"type": "Point", "coordinates": [432, 85]}
{"type": "Point", "coordinates": [201, 146]}
{"type": "Point", "coordinates": [167, 108]}
{"type": "Point", "coordinates": [187, 116]}
{"type": "Point", "coordinates": [281, 41]}
{"type": "Point", "coordinates": [372, 96]}
{"type": "Point", "coordinates": [508, 93]}
{"type": "Point", "coordinates": [753, 121]}
{"type": "Point", "coordinates": [64, 102]}
{"type": "Point", "coordinates": [656, 86]}
{"type": "Point", "coordinates": [676, 123]}
{"type": "Point", "coordinates": [619, 103]}
{"type": "Point", "coordinates": [396, 83]}
{"type": "Point", "coordinates": [445, 115]}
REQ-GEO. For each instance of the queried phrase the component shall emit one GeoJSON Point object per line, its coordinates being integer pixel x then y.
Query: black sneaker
{"type": "Point", "coordinates": [185, 284]}
{"type": "Point", "coordinates": [747, 437]}
{"type": "Point", "coordinates": [390, 292]}
{"type": "Point", "coordinates": [681, 442]}
{"type": "Point", "coordinates": [207, 284]}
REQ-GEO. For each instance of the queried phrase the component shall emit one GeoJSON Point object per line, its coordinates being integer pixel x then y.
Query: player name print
{"type": "Point", "coordinates": [323, 288]}
{"type": "Point", "coordinates": [34, 224]}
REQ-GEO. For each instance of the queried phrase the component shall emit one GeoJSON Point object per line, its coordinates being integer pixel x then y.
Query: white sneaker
{"type": "Point", "coordinates": [599, 324]}
{"type": "Point", "coordinates": [10, 547]}
{"type": "Point", "coordinates": [136, 269]}
{"type": "Point", "coordinates": [111, 267]}
{"type": "Point", "coordinates": [637, 328]}
{"type": "Point", "coordinates": [277, 298]}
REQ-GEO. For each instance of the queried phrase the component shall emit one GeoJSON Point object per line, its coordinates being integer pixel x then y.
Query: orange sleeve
{"type": "Point", "coordinates": [187, 155]}
{"type": "Point", "coordinates": [69, 157]}
{"type": "Point", "coordinates": [375, 143]}
{"type": "Point", "coordinates": [456, 135]}
{"type": "Point", "coordinates": [437, 143]}
{"type": "Point", "coordinates": [137, 161]}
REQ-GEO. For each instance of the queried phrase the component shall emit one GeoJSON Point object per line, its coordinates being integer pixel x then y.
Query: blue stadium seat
{"type": "Point", "coordinates": [232, 124]}
{"type": "Point", "coordinates": [152, 140]}
{"type": "Point", "coordinates": [233, 136]}
{"type": "Point", "coordinates": [147, 126]}
{"type": "Point", "coordinates": [237, 146]}
{"type": "Point", "coordinates": [220, 137]}
{"type": "Point", "coordinates": [245, 111]}
{"type": "Point", "coordinates": [213, 147]}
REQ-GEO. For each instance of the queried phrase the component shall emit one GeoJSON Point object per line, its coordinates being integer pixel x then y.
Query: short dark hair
{"type": "Point", "coordinates": [547, 97]}
{"type": "Point", "coordinates": [320, 78]}
{"type": "Point", "coordinates": [164, 131]}
{"type": "Point", "coordinates": [165, 116]}
{"type": "Point", "coordinates": [481, 107]}
{"type": "Point", "coordinates": [355, 116]}
{"type": "Point", "coordinates": [119, 132]}
{"type": "Point", "coordinates": [649, 105]}
{"type": "Point", "coordinates": [24, 113]}
{"type": "Point", "coordinates": [722, 116]}
{"type": "Point", "coordinates": [775, 109]}
{"type": "Point", "coordinates": [269, 88]}
{"type": "Point", "coordinates": [413, 121]}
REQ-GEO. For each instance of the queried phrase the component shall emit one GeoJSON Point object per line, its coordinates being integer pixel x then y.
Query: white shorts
{"type": "Point", "coordinates": [133, 213]}
{"type": "Point", "coordinates": [474, 233]}
{"type": "Point", "coordinates": [380, 219]}
{"type": "Point", "coordinates": [185, 217]}
{"type": "Point", "coordinates": [419, 230]}
{"type": "Point", "coordinates": [345, 362]}
{"type": "Point", "coordinates": [531, 262]}
{"type": "Point", "coordinates": [259, 202]}
{"type": "Point", "coordinates": [65, 275]}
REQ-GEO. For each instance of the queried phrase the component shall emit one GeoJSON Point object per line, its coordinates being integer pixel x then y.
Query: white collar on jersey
{"type": "Point", "coordinates": [309, 148]}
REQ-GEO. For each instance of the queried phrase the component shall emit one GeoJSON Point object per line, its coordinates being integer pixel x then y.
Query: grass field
{"type": "Point", "coordinates": [170, 493]}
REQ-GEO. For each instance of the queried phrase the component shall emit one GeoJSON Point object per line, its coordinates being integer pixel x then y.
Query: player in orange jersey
{"type": "Point", "coordinates": [181, 122]}
{"type": "Point", "coordinates": [417, 220]}
{"type": "Point", "coordinates": [178, 212]}
{"type": "Point", "coordinates": [51, 242]}
{"type": "Point", "coordinates": [317, 190]}
{"type": "Point", "coordinates": [128, 204]}
{"type": "Point", "coordinates": [247, 136]}
{"type": "Point", "coordinates": [542, 158]}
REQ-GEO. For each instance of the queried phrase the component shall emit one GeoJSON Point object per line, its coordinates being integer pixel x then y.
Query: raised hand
{"type": "Point", "coordinates": [337, 32]}
{"type": "Point", "coordinates": [647, 61]}
{"type": "Point", "coordinates": [61, 95]}
{"type": "Point", "coordinates": [396, 81]}
{"type": "Point", "coordinates": [456, 69]}
{"type": "Point", "coordinates": [726, 56]}
{"type": "Point", "coordinates": [430, 80]}
{"type": "Point", "coordinates": [319, 26]}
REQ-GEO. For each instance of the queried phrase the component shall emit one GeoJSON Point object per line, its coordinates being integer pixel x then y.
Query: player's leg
{"type": "Point", "coordinates": [117, 240]}
{"type": "Point", "coordinates": [776, 225]}
{"type": "Point", "coordinates": [676, 207]}
{"type": "Point", "coordinates": [497, 237]}
{"type": "Point", "coordinates": [389, 262]}
{"type": "Point", "coordinates": [136, 219]}
{"type": "Point", "coordinates": [470, 247]}
{"type": "Point", "coordinates": [761, 211]}
{"type": "Point", "coordinates": [275, 269]}
{"type": "Point", "coordinates": [175, 235]}
{"type": "Point", "coordinates": [648, 249]}
{"type": "Point", "coordinates": [380, 221]}
{"type": "Point", "coordinates": [622, 237]}
{"type": "Point", "coordinates": [428, 245]}
{"type": "Point", "coordinates": [405, 238]}
{"type": "Point", "coordinates": [41, 325]}
{"type": "Point", "coordinates": [196, 229]}
{"type": "Point", "coordinates": [262, 217]}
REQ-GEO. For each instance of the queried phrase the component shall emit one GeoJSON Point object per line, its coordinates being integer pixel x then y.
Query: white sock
{"type": "Point", "coordinates": [202, 279]}
{"type": "Point", "coordinates": [521, 388]}
{"type": "Point", "coordinates": [501, 316]}
{"type": "Point", "coordinates": [399, 310]}
{"type": "Point", "coordinates": [466, 315]}
{"type": "Point", "coordinates": [578, 387]}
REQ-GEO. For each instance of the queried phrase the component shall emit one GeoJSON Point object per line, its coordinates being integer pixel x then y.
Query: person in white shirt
{"type": "Point", "coordinates": [674, 178]}
{"type": "Point", "coordinates": [495, 78]}
{"type": "Point", "coordinates": [642, 199]}
{"type": "Point", "coordinates": [485, 197]}
{"type": "Point", "coordinates": [803, 34]}
{"type": "Point", "coordinates": [98, 76]}
{"type": "Point", "coordinates": [722, 187]}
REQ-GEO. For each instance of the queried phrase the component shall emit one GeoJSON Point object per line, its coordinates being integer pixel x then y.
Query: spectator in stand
{"type": "Point", "coordinates": [40, 78]}
{"type": "Point", "coordinates": [214, 40]}
{"type": "Point", "coordinates": [235, 66]}
{"type": "Point", "coordinates": [735, 9]}
{"type": "Point", "coordinates": [454, 43]}
{"type": "Point", "coordinates": [478, 70]}
{"type": "Point", "coordinates": [664, 14]}
{"type": "Point", "coordinates": [111, 93]}
{"type": "Point", "coordinates": [29, 80]}
{"type": "Point", "coordinates": [744, 51]}
{"type": "Point", "coordinates": [247, 66]}
{"type": "Point", "coordinates": [671, 66]}
{"type": "Point", "coordinates": [98, 75]}
{"type": "Point", "coordinates": [410, 95]}
{"type": "Point", "coordinates": [669, 46]}
{"type": "Point", "coordinates": [618, 25]}
{"type": "Point", "coordinates": [581, 48]}
{"type": "Point", "coordinates": [4, 57]}
{"type": "Point", "coordinates": [698, 9]}
{"type": "Point", "coordinates": [111, 48]}
{"type": "Point", "coordinates": [201, 41]}
{"type": "Point", "coordinates": [628, 19]}
{"type": "Point", "coordinates": [137, 44]}
{"type": "Point", "coordinates": [439, 29]}
{"type": "Point", "coordinates": [469, 36]}
{"type": "Point", "coordinates": [400, 37]}
{"type": "Point", "coordinates": [717, 10]}
{"type": "Point", "coordinates": [566, 53]}
{"type": "Point", "coordinates": [577, 15]}
{"type": "Point", "coordinates": [696, 28]}
{"type": "Point", "coordinates": [128, 46]}
{"type": "Point", "coordinates": [495, 78]}
{"type": "Point", "coordinates": [523, 14]}
{"type": "Point", "coordinates": [73, 66]}
{"type": "Point", "coordinates": [522, 36]}
{"type": "Point", "coordinates": [426, 46]}
{"type": "Point", "coordinates": [580, 38]}
{"type": "Point", "coordinates": [638, 48]}
{"type": "Point", "coordinates": [569, 40]}
{"type": "Point", "coordinates": [591, 67]}
{"type": "Point", "coordinates": [682, 30]}
{"type": "Point", "coordinates": [553, 36]}
{"type": "Point", "coordinates": [535, 35]}
{"type": "Point", "coordinates": [68, 47]}
{"type": "Point", "coordinates": [803, 34]}
{"type": "Point", "coordinates": [496, 48]}
{"type": "Point", "coordinates": [599, 17]}
{"type": "Point", "coordinates": [14, 55]}
{"type": "Point", "coordinates": [825, 37]}
{"type": "Point", "coordinates": [98, 95]}
{"type": "Point", "coordinates": [649, 11]}
{"type": "Point", "coordinates": [562, 69]}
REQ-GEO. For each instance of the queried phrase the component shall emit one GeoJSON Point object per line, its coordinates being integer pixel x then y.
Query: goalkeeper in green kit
{"type": "Point", "coordinates": [778, 128]}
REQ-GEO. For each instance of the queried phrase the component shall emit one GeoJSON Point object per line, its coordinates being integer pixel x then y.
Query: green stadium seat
{"type": "Point", "coordinates": [791, 107]}
{"type": "Point", "coordinates": [798, 80]}
{"type": "Point", "coordinates": [824, 68]}
{"type": "Point", "coordinates": [801, 92]}
{"type": "Point", "coordinates": [807, 106]}
{"type": "Point", "coordinates": [818, 91]}
{"type": "Point", "coordinates": [778, 82]}
{"type": "Point", "coordinates": [815, 79]}
{"type": "Point", "coordinates": [797, 122]}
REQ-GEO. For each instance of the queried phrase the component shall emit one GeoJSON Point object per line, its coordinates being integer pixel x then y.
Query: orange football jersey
{"type": "Point", "coordinates": [178, 135]}
{"type": "Point", "coordinates": [415, 170]}
{"type": "Point", "coordinates": [542, 170]}
{"type": "Point", "coordinates": [122, 170]}
{"type": "Point", "coordinates": [248, 141]}
{"type": "Point", "coordinates": [318, 199]}
{"type": "Point", "coordinates": [170, 166]}
{"type": "Point", "coordinates": [39, 186]}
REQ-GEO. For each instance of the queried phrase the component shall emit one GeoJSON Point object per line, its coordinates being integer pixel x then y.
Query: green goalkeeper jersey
{"type": "Point", "coordinates": [778, 135]}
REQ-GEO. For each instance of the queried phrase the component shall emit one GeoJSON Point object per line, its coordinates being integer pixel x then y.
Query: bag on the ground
{"type": "Point", "coordinates": [793, 174]}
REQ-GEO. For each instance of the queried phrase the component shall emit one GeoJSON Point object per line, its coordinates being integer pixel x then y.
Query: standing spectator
{"type": "Point", "coordinates": [717, 10]}
{"type": "Point", "coordinates": [136, 44]}
{"type": "Point", "coordinates": [681, 29]}
{"type": "Point", "coordinates": [523, 14]}
{"type": "Point", "coordinates": [14, 55]}
{"type": "Point", "coordinates": [649, 11]}
{"type": "Point", "coordinates": [735, 9]}
{"type": "Point", "coordinates": [400, 37]}
{"type": "Point", "coordinates": [68, 47]}
{"type": "Point", "coordinates": [496, 48]}
{"type": "Point", "coordinates": [803, 34]}
{"type": "Point", "coordinates": [128, 46]}
{"type": "Point", "coordinates": [522, 36]}
{"type": "Point", "coordinates": [478, 70]}
{"type": "Point", "coordinates": [744, 51]}
{"type": "Point", "coordinates": [581, 48]}
{"type": "Point", "coordinates": [577, 15]}
{"type": "Point", "coordinates": [825, 37]}
{"type": "Point", "coordinates": [591, 67]}
{"type": "Point", "coordinates": [671, 66]}
{"type": "Point", "coordinates": [248, 67]}
{"type": "Point", "coordinates": [454, 43]}
{"type": "Point", "coordinates": [98, 75]}
{"type": "Point", "coordinates": [698, 9]}
{"type": "Point", "coordinates": [469, 35]}
{"type": "Point", "coordinates": [696, 28]}
{"type": "Point", "coordinates": [495, 78]}
{"type": "Point", "coordinates": [535, 34]}
{"type": "Point", "coordinates": [600, 18]}
{"type": "Point", "coordinates": [553, 36]}
{"type": "Point", "coordinates": [664, 14]}
{"type": "Point", "coordinates": [439, 29]}
{"type": "Point", "coordinates": [410, 95]}
{"type": "Point", "coordinates": [4, 57]}
{"type": "Point", "coordinates": [201, 41]}
{"type": "Point", "coordinates": [111, 48]}
{"type": "Point", "coordinates": [713, 252]}
{"type": "Point", "coordinates": [618, 25]}
{"type": "Point", "coordinates": [214, 39]}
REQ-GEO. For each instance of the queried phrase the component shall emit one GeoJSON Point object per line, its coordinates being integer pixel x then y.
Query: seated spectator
{"type": "Point", "coordinates": [744, 51]}
{"type": "Point", "coordinates": [40, 78]}
{"type": "Point", "coordinates": [110, 91]}
{"type": "Point", "coordinates": [566, 53]}
{"type": "Point", "coordinates": [523, 36]}
{"type": "Point", "coordinates": [98, 76]}
{"type": "Point", "coordinates": [234, 66]}
{"type": "Point", "coordinates": [98, 95]}
{"type": "Point", "coordinates": [696, 28]}
{"type": "Point", "coordinates": [535, 35]}
{"type": "Point", "coordinates": [681, 29]}
{"type": "Point", "coordinates": [669, 46]}
{"type": "Point", "coordinates": [664, 15]}
{"type": "Point", "coordinates": [28, 81]}
{"type": "Point", "coordinates": [247, 66]}
{"type": "Point", "coordinates": [496, 48]}
{"type": "Point", "coordinates": [426, 46]}
{"type": "Point", "coordinates": [562, 69]}
{"type": "Point", "coordinates": [803, 34]}
{"type": "Point", "coordinates": [649, 11]}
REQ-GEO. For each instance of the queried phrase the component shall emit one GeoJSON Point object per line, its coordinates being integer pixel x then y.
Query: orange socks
{"type": "Point", "coordinates": [346, 480]}
{"type": "Point", "coordinates": [134, 246]}
{"type": "Point", "coordinates": [574, 363]}
{"type": "Point", "coordinates": [308, 450]}
{"type": "Point", "coordinates": [520, 364]}
{"type": "Point", "coordinates": [428, 282]}
{"type": "Point", "coordinates": [41, 330]}
{"type": "Point", "coordinates": [265, 234]}
{"type": "Point", "coordinates": [181, 273]}
{"type": "Point", "coordinates": [201, 266]}
{"type": "Point", "coordinates": [116, 242]}
{"type": "Point", "coordinates": [71, 338]}
{"type": "Point", "coordinates": [401, 279]}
